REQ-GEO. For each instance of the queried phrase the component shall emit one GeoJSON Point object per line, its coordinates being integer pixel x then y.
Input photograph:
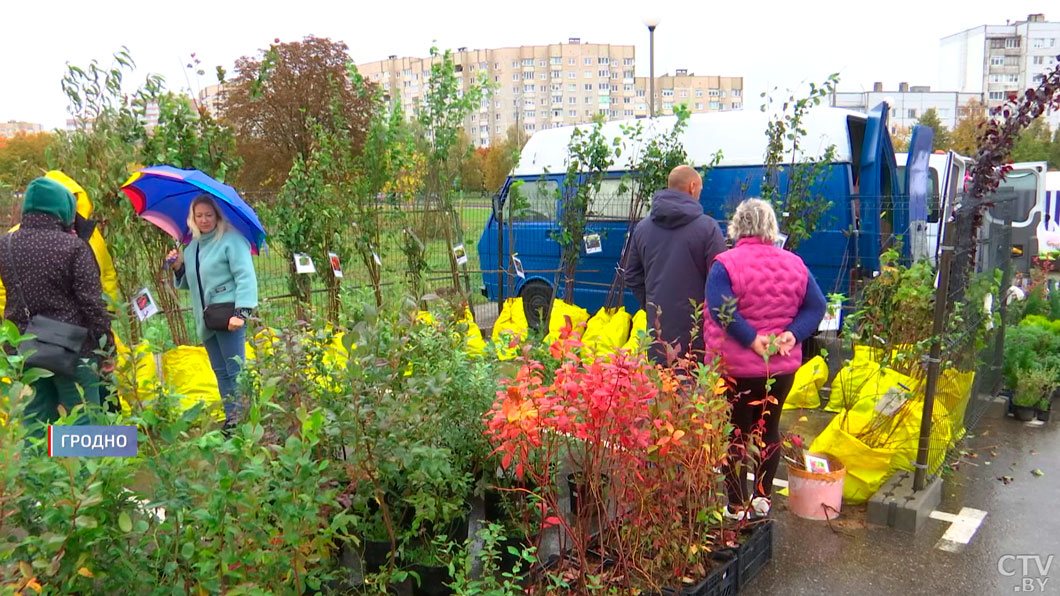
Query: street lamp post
{"type": "Point", "coordinates": [652, 23]}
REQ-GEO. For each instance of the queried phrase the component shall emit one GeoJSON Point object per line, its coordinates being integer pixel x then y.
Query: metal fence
{"type": "Point", "coordinates": [967, 339]}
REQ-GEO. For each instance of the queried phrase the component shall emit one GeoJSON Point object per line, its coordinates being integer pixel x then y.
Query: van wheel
{"type": "Point", "coordinates": [536, 295]}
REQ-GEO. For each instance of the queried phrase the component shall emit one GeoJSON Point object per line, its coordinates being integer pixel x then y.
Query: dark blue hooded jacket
{"type": "Point", "coordinates": [670, 254]}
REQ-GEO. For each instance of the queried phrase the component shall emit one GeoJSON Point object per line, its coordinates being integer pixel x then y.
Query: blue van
{"type": "Point", "coordinates": [861, 182]}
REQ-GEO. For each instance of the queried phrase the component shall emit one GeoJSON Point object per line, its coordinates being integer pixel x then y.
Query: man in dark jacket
{"type": "Point", "coordinates": [669, 255]}
{"type": "Point", "coordinates": [49, 271]}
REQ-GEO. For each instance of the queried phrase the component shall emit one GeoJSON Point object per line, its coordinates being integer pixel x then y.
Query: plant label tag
{"type": "Point", "coordinates": [781, 240]}
{"type": "Point", "coordinates": [378, 261]}
{"type": "Point", "coordinates": [460, 254]}
{"type": "Point", "coordinates": [303, 263]}
{"type": "Point", "coordinates": [517, 263]}
{"type": "Point", "coordinates": [143, 305]}
{"type": "Point", "coordinates": [816, 465]}
{"type": "Point", "coordinates": [336, 266]}
{"type": "Point", "coordinates": [891, 401]}
{"type": "Point", "coordinates": [831, 319]}
{"type": "Point", "coordinates": [592, 244]}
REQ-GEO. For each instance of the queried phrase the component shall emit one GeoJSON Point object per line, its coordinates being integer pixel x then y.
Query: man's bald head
{"type": "Point", "coordinates": [685, 179]}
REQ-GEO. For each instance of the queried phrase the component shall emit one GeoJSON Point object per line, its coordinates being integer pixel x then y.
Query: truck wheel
{"type": "Point", "coordinates": [536, 295]}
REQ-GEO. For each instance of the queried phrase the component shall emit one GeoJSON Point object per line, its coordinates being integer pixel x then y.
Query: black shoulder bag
{"type": "Point", "coordinates": [215, 316]}
{"type": "Point", "coordinates": [56, 346]}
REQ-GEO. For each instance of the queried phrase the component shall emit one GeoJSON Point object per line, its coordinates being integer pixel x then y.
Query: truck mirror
{"type": "Point", "coordinates": [498, 206]}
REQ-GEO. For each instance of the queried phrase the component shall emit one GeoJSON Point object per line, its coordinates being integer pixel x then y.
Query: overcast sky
{"type": "Point", "coordinates": [770, 43]}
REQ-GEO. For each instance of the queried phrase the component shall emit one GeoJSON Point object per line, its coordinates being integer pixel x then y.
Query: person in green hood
{"type": "Point", "coordinates": [51, 272]}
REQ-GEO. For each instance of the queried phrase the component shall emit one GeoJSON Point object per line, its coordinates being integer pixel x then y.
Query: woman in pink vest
{"type": "Point", "coordinates": [763, 304]}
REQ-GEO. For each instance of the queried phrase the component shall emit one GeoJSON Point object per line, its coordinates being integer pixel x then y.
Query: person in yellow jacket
{"type": "Point", "coordinates": [88, 231]}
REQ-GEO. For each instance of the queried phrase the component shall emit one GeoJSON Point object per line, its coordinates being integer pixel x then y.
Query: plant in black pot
{"type": "Point", "coordinates": [1034, 388]}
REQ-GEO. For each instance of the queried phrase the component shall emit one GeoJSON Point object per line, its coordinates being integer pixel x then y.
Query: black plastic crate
{"type": "Point", "coordinates": [720, 582]}
{"type": "Point", "coordinates": [755, 553]}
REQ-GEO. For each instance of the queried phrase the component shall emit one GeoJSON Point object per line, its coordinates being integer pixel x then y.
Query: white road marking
{"type": "Point", "coordinates": [962, 528]}
{"type": "Point", "coordinates": [963, 525]}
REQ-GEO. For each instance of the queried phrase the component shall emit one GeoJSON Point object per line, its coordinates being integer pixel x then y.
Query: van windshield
{"type": "Point", "coordinates": [535, 200]}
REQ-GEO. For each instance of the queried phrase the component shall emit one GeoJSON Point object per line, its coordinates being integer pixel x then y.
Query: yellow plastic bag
{"type": "Point", "coordinates": [561, 311]}
{"type": "Point", "coordinates": [905, 440]}
{"type": "Point", "coordinates": [186, 370]}
{"type": "Point", "coordinates": [607, 330]}
{"type": "Point", "coordinates": [806, 389]}
{"type": "Point", "coordinates": [848, 382]}
{"type": "Point", "coordinates": [639, 325]}
{"type": "Point", "coordinates": [475, 344]}
{"type": "Point", "coordinates": [867, 468]}
{"type": "Point", "coordinates": [143, 375]}
{"type": "Point", "coordinates": [876, 386]}
{"type": "Point", "coordinates": [510, 326]}
{"type": "Point", "coordinates": [954, 392]}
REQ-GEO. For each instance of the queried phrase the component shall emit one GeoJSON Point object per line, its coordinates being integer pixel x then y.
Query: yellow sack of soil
{"type": "Point", "coordinates": [639, 325]}
{"type": "Point", "coordinates": [557, 320]}
{"type": "Point", "coordinates": [186, 370]}
{"type": "Point", "coordinates": [510, 326]}
{"type": "Point", "coordinates": [806, 389]}
{"type": "Point", "coordinates": [607, 330]}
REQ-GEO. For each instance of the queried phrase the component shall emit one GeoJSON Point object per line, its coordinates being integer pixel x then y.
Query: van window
{"type": "Point", "coordinates": [933, 202]}
{"type": "Point", "coordinates": [1020, 190]}
{"type": "Point", "coordinates": [540, 197]}
{"type": "Point", "coordinates": [856, 133]}
{"type": "Point", "coordinates": [613, 201]}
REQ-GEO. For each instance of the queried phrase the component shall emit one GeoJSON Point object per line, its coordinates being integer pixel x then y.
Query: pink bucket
{"type": "Point", "coordinates": [816, 495]}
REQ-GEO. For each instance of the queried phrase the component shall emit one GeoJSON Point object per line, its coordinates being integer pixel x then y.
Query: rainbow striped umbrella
{"type": "Point", "coordinates": [163, 194]}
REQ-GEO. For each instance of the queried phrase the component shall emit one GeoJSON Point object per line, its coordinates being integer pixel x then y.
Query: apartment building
{"type": "Point", "coordinates": [546, 86]}
{"type": "Point", "coordinates": [11, 128]}
{"type": "Point", "coordinates": [1000, 61]}
{"type": "Point", "coordinates": [699, 93]}
{"type": "Point", "coordinates": [908, 103]}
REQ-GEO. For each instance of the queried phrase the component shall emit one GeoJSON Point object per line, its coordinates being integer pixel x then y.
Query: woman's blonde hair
{"type": "Point", "coordinates": [754, 218]}
{"type": "Point", "coordinates": [205, 199]}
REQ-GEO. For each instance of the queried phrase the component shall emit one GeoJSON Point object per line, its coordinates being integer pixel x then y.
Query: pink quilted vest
{"type": "Point", "coordinates": [769, 284]}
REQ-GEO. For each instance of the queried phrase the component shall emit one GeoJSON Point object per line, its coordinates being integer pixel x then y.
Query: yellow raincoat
{"type": "Point", "coordinates": [107, 276]}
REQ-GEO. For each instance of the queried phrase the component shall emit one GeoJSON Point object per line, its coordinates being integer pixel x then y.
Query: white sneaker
{"type": "Point", "coordinates": [761, 506]}
{"type": "Point", "coordinates": [736, 514]}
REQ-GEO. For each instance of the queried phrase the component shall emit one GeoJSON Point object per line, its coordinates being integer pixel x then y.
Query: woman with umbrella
{"type": "Point", "coordinates": [221, 232]}
{"type": "Point", "coordinates": [216, 266]}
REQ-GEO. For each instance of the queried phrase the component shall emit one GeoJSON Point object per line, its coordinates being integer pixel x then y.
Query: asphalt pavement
{"type": "Point", "coordinates": [1014, 549]}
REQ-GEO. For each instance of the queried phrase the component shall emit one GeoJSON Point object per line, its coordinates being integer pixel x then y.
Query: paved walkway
{"type": "Point", "coordinates": [1022, 518]}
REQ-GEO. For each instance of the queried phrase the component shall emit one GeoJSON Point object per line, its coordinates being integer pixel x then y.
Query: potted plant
{"type": "Point", "coordinates": [1034, 387]}
{"type": "Point", "coordinates": [645, 441]}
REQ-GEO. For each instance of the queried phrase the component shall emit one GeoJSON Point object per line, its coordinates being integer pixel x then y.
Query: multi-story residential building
{"type": "Point", "coordinates": [12, 128]}
{"type": "Point", "coordinates": [1000, 61]}
{"type": "Point", "coordinates": [545, 86]}
{"type": "Point", "coordinates": [211, 97]}
{"type": "Point", "coordinates": [151, 115]}
{"type": "Point", "coordinates": [909, 103]}
{"type": "Point", "coordinates": [699, 93]}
